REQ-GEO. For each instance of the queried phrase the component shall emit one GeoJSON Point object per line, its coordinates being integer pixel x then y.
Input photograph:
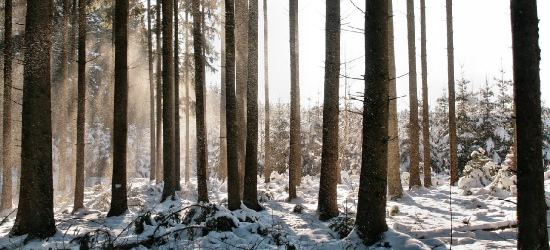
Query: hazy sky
{"type": "Point", "coordinates": [482, 41]}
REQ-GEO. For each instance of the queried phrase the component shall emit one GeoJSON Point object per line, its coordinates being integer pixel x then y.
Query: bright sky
{"type": "Point", "coordinates": [482, 40]}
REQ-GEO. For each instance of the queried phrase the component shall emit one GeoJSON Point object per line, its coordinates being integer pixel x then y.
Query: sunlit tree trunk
{"type": "Point", "coordinates": [62, 102]}
{"type": "Point", "coordinates": [119, 200]}
{"type": "Point", "coordinates": [241, 60]}
{"type": "Point", "coordinates": [328, 206]}
{"type": "Point", "coordinates": [395, 190]}
{"type": "Point", "coordinates": [425, 107]}
{"type": "Point", "coordinates": [153, 133]}
{"type": "Point", "coordinates": [413, 100]}
{"type": "Point", "coordinates": [222, 171]}
{"type": "Point", "coordinates": [250, 196]}
{"type": "Point", "coordinates": [294, 164]}
{"type": "Point", "coordinates": [233, 197]}
{"type": "Point", "coordinates": [159, 169]}
{"type": "Point", "coordinates": [371, 207]}
{"type": "Point", "coordinates": [6, 202]}
{"type": "Point", "coordinates": [451, 85]}
{"type": "Point", "coordinates": [531, 210]}
{"type": "Point", "coordinates": [267, 146]}
{"type": "Point", "coordinates": [81, 113]}
{"type": "Point", "coordinates": [35, 210]}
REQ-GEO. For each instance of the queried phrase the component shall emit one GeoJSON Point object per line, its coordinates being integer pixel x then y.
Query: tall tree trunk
{"type": "Point", "coordinates": [187, 101]}
{"type": "Point", "coordinates": [119, 201]}
{"type": "Point", "coordinates": [395, 189]}
{"type": "Point", "coordinates": [152, 157]}
{"type": "Point", "coordinates": [453, 150]}
{"type": "Point", "coordinates": [177, 97]}
{"type": "Point", "coordinates": [168, 119]}
{"type": "Point", "coordinates": [204, 44]}
{"type": "Point", "coordinates": [200, 107]}
{"type": "Point", "coordinates": [233, 197]}
{"type": "Point", "coordinates": [6, 201]}
{"type": "Point", "coordinates": [425, 107]}
{"type": "Point", "coordinates": [35, 211]}
{"type": "Point", "coordinates": [81, 113]}
{"type": "Point", "coordinates": [294, 164]}
{"type": "Point", "coordinates": [62, 103]}
{"type": "Point", "coordinates": [328, 206]}
{"type": "Point", "coordinates": [241, 59]}
{"type": "Point", "coordinates": [531, 210]}
{"type": "Point", "coordinates": [267, 146]}
{"type": "Point", "coordinates": [250, 198]}
{"type": "Point", "coordinates": [159, 97]}
{"type": "Point", "coordinates": [371, 207]}
{"type": "Point", "coordinates": [73, 95]}
{"type": "Point", "coordinates": [413, 100]}
{"type": "Point", "coordinates": [222, 171]}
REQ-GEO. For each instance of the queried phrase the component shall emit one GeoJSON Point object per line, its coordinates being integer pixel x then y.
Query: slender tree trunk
{"type": "Point", "coordinates": [294, 164]}
{"type": "Point", "coordinates": [159, 98]}
{"type": "Point", "coordinates": [187, 102]}
{"type": "Point", "coordinates": [267, 146]}
{"type": "Point", "coordinates": [425, 108]}
{"type": "Point", "coordinates": [6, 202]}
{"type": "Point", "coordinates": [241, 59]}
{"type": "Point", "coordinates": [233, 197]}
{"type": "Point", "coordinates": [250, 198]}
{"type": "Point", "coordinates": [73, 104]}
{"type": "Point", "coordinates": [204, 45]}
{"type": "Point", "coordinates": [152, 157]}
{"type": "Point", "coordinates": [200, 108]}
{"type": "Point", "coordinates": [168, 119]}
{"type": "Point", "coordinates": [81, 113]}
{"type": "Point", "coordinates": [35, 211]}
{"type": "Point", "coordinates": [413, 100]}
{"type": "Point", "coordinates": [222, 172]}
{"type": "Point", "coordinates": [451, 81]}
{"type": "Point", "coordinates": [328, 206]}
{"type": "Point", "coordinates": [395, 190]}
{"type": "Point", "coordinates": [531, 210]}
{"type": "Point", "coordinates": [177, 96]}
{"type": "Point", "coordinates": [371, 207]}
{"type": "Point", "coordinates": [62, 103]}
{"type": "Point", "coordinates": [119, 201]}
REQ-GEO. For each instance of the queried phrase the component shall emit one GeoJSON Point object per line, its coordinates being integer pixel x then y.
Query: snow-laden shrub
{"type": "Point", "coordinates": [479, 171]}
{"type": "Point", "coordinates": [342, 225]}
{"type": "Point", "coordinates": [405, 176]}
{"type": "Point", "coordinates": [503, 185]}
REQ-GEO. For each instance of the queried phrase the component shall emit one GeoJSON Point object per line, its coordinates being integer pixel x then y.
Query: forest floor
{"type": "Point", "coordinates": [420, 220]}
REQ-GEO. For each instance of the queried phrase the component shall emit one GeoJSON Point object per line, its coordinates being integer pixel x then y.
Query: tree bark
{"type": "Point", "coordinates": [6, 201]}
{"type": "Point", "coordinates": [168, 119]}
{"type": "Point", "coordinates": [294, 164]}
{"type": "Point", "coordinates": [241, 59]}
{"type": "Point", "coordinates": [531, 210]}
{"type": "Point", "coordinates": [119, 201]}
{"type": "Point", "coordinates": [328, 206]}
{"type": "Point", "coordinates": [200, 107]}
{"type": "Point", "coordinates": [35, 211]}
{"type": "Point", "coordinates": [153, 133]}
{"type": "Point", "coordinates": [413, 100]}
{"type": "Point", "coordinates": [81, 113]}
{"type": "Point", "coordinates": [222, 171]}
{"type": "Point", "coordinates": [371, 207]}
{"type": "Point", "coordinates": [453, 148]}
{"type": "Point", "coordinates": [250, 196]}
{"type": "Point", "coordinates": [187, 102]}
{"type": "Point", "coordinates": [159, 97]}
{"type": "Point", "coordinates": [62, 102]}
{"type": "Point", "coordinates": [233, 197]}
{"type": "Point", "coordinates": [425, 108]}
{"type": "Point", "coordinates": [267, 146]}
{"type": "Point", "coordinates": [177, 97]}
{"type": "Point", "coordinates": [395, 189]}
{"type": "Point", "coordinates": [73, 104]}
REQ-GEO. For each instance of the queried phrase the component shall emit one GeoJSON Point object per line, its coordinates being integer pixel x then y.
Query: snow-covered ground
{"type": "Point", "coordinates": [421, 220]}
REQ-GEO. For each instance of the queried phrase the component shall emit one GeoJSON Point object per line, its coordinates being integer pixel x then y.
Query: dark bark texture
{"type": "Point", "coordinates": [119, 201]}
{"type": "Point", "coordinates": [328, 206]}
{"type": "Point", "coordinates": [6, 202]}
{"type": "Point", "coordinates": [371, 207]}
{"type": "Point", "coordinates": [294, 163]}
{"type": "Point", "coordinates": [531, 210]}
{"type": "Point", "coordinates": [177, 137]}
{"type": "Point", "coordinates": [35, 211]}
{"type": "Point", "coordinates": [152, 157]}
